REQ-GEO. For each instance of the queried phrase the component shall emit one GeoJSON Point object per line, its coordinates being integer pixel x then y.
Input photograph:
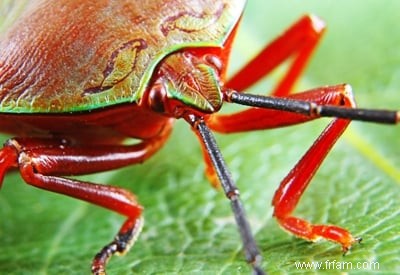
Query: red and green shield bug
{"type": "Point", "coordinates": [79, 78]}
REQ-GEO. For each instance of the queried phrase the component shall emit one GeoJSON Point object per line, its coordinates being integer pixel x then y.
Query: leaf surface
{"type": "Point", "coordinates": [188, 226]}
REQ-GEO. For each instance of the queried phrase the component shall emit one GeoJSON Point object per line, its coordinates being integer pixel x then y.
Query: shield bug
{"type": "Point", "coordinates": [79, 78]}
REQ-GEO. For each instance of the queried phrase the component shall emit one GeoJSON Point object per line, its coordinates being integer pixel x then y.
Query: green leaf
{"type": "Point", "coordinates": [189, 226]}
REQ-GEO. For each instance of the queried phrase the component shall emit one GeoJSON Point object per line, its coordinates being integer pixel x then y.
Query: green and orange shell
{"type": "Point", "coordinates": [69, 56]}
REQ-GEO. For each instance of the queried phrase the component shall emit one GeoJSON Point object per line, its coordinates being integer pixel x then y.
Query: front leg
{"type": "Point", "coordinates": [293, 186]}
{"type": "Point", "coordinates": [295, 183]}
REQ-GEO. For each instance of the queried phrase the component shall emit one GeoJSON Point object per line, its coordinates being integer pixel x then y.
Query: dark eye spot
{"type": "Point", "coordinates": [157, 97]}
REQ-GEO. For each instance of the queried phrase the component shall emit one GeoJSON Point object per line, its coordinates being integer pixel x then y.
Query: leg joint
{"type": "Point", "coordinates": [233, 194]}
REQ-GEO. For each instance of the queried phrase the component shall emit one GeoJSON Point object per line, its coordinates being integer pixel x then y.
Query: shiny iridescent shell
{"type": "Point", "coordinates": [68, 55]}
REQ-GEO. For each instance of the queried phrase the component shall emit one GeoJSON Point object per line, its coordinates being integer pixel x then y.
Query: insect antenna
{"type": "Point", "coordinates": [253, 255]}
{"type": "Point", "coordinates": [313, 109]}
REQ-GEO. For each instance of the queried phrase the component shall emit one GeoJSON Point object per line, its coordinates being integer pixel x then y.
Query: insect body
{"type": "Point", "coordinates": [78, 78]}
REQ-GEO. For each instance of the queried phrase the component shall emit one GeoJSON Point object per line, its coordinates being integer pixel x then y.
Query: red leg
{"type": "Point", "coordinates": [7, 161]}
{"type": "Point", "coordinates": [41, 162]}
{"type": "Point", "coordinates": [294, 185]}
{"type": "Point", "coordinates": [298, 41]}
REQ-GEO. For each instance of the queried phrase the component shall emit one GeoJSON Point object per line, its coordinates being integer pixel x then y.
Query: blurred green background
{"type": "Point", "coordinates": [189, 228]}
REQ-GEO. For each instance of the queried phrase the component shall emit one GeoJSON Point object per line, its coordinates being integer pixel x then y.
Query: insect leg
{"type": "Point", "coordinates": [43, 162]}
{"type": "Point", "coordinates": [292, 111]}
{"type": "Point", "coordinates": [8, 160]}
{"type": "Point", "coordinates": [299, 41]}
{"type": "Point", "coordinates": [231, 191]}
{"type": "Point", "coordinates": [294, 184]}
{"type": "Point", "coordinates": [116, 199]}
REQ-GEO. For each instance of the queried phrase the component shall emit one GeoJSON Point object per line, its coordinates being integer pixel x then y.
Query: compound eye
{"type": "Point", "coordinates": [157, 97]}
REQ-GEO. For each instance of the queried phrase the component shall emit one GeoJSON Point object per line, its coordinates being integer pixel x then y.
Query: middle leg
{"type": "Point", "coordinates": [299, 42]}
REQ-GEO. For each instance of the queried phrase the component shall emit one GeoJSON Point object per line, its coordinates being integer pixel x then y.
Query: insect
{"type": "Point", "coordinates": [72, 91]}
